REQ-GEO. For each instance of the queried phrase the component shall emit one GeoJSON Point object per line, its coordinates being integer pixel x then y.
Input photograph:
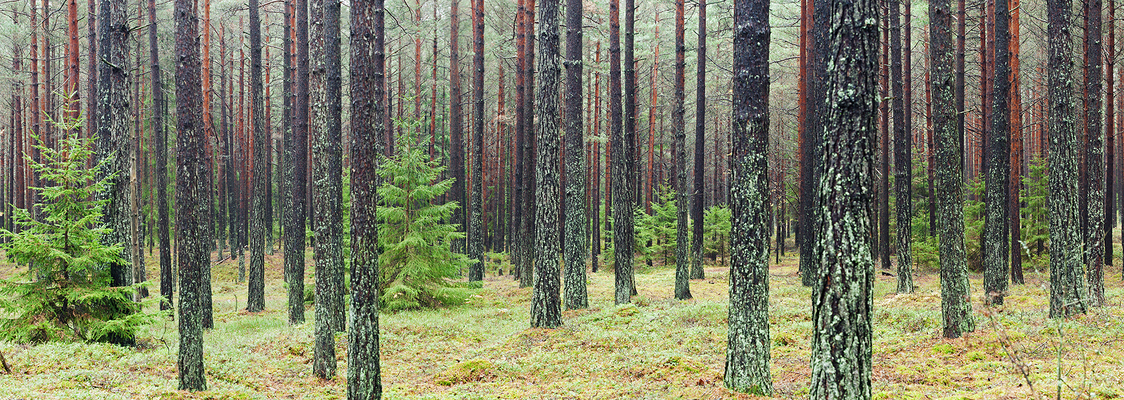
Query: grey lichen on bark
{"type": "Point", "coordinates": [575, 293]}
{"type": "Point", "coordinates": [546, 305]}
{"type": "Point", "coordinates": [844, 277]}
{"type": "Point", "coordinates": [113, 131]}
{"type": "Point", "coordinates": [1067, 288]}
{"type": "Point", "coordinates": [324, 52]}
{"type": "Point", "coordinates": [255, 293]}
{"type": "Point", "coordinates": [747, 349]}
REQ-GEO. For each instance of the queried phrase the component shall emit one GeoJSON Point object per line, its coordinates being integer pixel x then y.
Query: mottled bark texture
{"type": "Point", "coordinates": [995, 230]}
{"type": "Point", "coordinates": [747, 349]}
{"type": "Point", "coordinates": [456, 122]}
{"type": "Point", "coordinates": [475, 220]}
{"type": "Point", "coordinates": [192, 215]}
{"type": "Point", "coordinates": [527, 234]}
{"type": "Point", "coordinates": [903, 155]}
{"type": "Point", "coordinates": [1067, 288]}
{"type": "Point", "coordinates": [1094, 152]}
{"type": "Point", "coordinates": [948, 184]}
{"type": "Point", "coordinates": [113, 132]}
{"type": "Point", "coordinates": [324, 96]}
{"type": "Point", "coordinates": [167, 283]}
{"type": "Point", "coordinates": [368, 60]}
{"type": "Point", "coordinates": [255, 294]}
{"type": "Point", "coordinates": [575, 295]}
{"type": "Point", "coordinates": [842, 293]}
{"type": "Point", "coordinates": [679, 158]}
{"type": "Point", "coordinates": [697, 198]}
{"type": "Point", "coordinates": [297, 151]}
{"type": "Point", "coordinates": [546, 309]}
{"type": "Point", "coordinates": [620, 152]}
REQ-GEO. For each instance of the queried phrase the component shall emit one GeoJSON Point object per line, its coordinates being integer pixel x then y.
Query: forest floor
{"type": "Point", "coordinates": [655, 348]}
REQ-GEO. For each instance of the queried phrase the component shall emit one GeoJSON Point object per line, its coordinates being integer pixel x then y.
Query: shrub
{"type": "Point", "coordinates": [65, 294]}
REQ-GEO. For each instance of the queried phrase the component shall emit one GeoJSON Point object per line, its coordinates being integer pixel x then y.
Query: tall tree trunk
{"type": "Point", "coordinates": [298, 153]}
{"type": "Point", "coordinates": [71, 84]}
{"type": "Point", "coordinates": [518, 251]}
{"type": "Point", "coordinates": [368, 36]}
{"type": "Point", "coordinates": [1094, 153]}
{"type": "Point", "coordinates": [996, 216]}
{"type": "Point", "coordinates": [324, 96]}
{"type": "Point", "coordinates": [955, 308]}
{"type": "Point", "coordinates": [697, 198]}
{"type": "Point", "coordinates": [161, 134]}
{"type": "Point", "coordinates": [91, 69]}
{"type": "Point", "coordinates": [682, 263]}
{"type": "Point", "coordinates": [903, 152]}
{"type": "Point", "coordinates": [475, 222]}
{"type": "Point", "coordinates": [255, 297]}
{"type": "Point", "coordinates": [35, 135]}
{"type": "Point", "coordinates": [192, 214]}
{"type": "Point", "coordinates": [1067, 289]}
{"type": "Point", "coordinates": [456, 122]}
{"type": "Point", "coordinates": [882, 231]}
{"type": "Point", "coordinates": [545, 306]}
{"type": "Point", "coordinates": [1016, 148]}
{"type": "Point", "coordinates": [747, 351]}
{"type": "Point", "coordinates": [841, 299]}
{"type": "Point", "coordinates": [113, 132]}
{"type": "Point", "coordinates": [1110, 128]}
{"type": "Point", "coordinates": [529, 194]}
{"type": "Point", "coordinates": [622, 167]}
{"type": "Point", "coordinates": [575, 207]}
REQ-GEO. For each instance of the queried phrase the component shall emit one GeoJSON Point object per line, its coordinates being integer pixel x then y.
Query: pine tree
{"type": "Point", "coordinates": [903, 156]}
{"type": "Point", "coordinates": [191, 190]}
{"type": "Point", "coordinates": [167, 281]}
{"type": "Point", "coordinates": [747, 351]}
{"type": "Point", "coordinates": [842, 294]}
{"type": "Point", "coordinates": [682, 266]}
{"type": "Point", "coordinates": [324, 96]}
{"type": "Point", "coordinates": [697, 198]}
{"type": "Point", "coordinates": [997, 252]}
{"type": "Point", "coordinates": [622, 167]}
{"type": "Point", "coordinates": [475, 220]}
{"type": "Point", "coordinates": [255, 297]}
{"type": "Point", "coordinates": [298, 153]}
{"type": "Point", "coordinates": [113, 131]}
{"type": "Point", "coordinates": [546, 306]}
{"type": "Point", "coordinates": [1094, 153]}
{"type": "Point", "coordinates": [955, 308]}
{"type": "Point", "coordinates": [1067, 289]}
{"type": "Point", "coordinates": [575, 206]}
{"type": "Point", "coordinates": [368, 36]}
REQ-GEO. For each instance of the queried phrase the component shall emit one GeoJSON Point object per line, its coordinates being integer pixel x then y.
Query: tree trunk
{"type": "Point", "coordinates": [1067, 289]}
{"type": "Point", "coordinates": [1110, 128]}
{"type": "Point", "coordinates": [529, 194]}
{"type": "Point", "coordinates": [255, 297]}
{"type": "Point", "coordinates": [367, 110]}
{"type": "Point", "coordinates": [475, 222]}
{"type": "Point", "coordinates": [324, 96]}
{"type": "Point", "coordinates": [622, 167]}
{"type": "Point", "coordinates": [161, 135]}
{"type": "Point", "coordinates": [697, 198]}
{"type": "Point", "coordinates": [682, 263]}
{"type": "Point", "coordinates": [191, 191]}
{"type": "Point", "coordinates": [113, 132]}
{"type": "Point", "coordinates": [518, 252]}
{"type": "Point", "coordinates": [456, 123]}
{"type": "Point", "coordinates": [903, 151]}
{"type": "Point", "coordinates": [996, 216]}
{"type": "Point", "coordinates": [747, 351]}
{"type": "Point", "coordinates": [298, 153]}
{"type": "Point", "coordinates": [948, 182]}
{"type": "Point", "coordinates": [841, 296]}
{"type": "Point", "coordinates": [545, 306]}
{"type": "Point", "coordinates": [575, 207]}
{"type": "Point", "coordinates": [1016, 148]}
{"type": "Point", "coordinates": [1094, 154]}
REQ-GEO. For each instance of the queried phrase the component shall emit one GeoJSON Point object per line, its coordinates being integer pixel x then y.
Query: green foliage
{"type": "Point", "coordinates": [65, 295]}
{"type": "Point", "coordinates": [1035, 222]}
{"type": "Point", "coordinates": [417, 264]}
{"type": "Point", "coordinates": [716, 232]}
{"type": "Point", "coordinates": [926, 253]}
{"type": "Point", "coordinates": [973, 224]}
{"type": "Point", "coordinates": [655, 233]}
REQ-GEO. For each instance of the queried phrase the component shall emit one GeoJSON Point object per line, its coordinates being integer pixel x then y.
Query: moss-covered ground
{"type": "Point", "coordinates": [655, 348]}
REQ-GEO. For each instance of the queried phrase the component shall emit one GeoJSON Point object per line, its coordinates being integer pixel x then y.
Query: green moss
{"type": "Point", "coordinates": [943, 348]}
{"type": "Point", "coordinates": [976, 356]}
{"type": "Point", "coordinates": [468, 371]}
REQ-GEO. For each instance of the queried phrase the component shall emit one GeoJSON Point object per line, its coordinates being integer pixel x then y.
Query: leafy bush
{"type": "Point", "coordinates": [65, 295]}
{"type": "Point", "coordinates": [417, 264]}
{"type": "Point", "coordinates": [716, 233]}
